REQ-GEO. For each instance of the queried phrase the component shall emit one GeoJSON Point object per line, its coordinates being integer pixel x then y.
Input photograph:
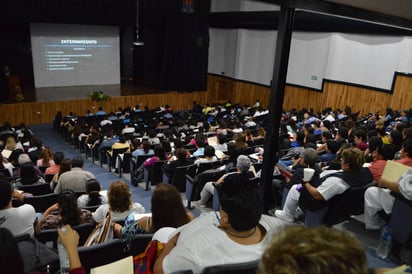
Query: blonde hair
{"type": "Point", "coordinates": [320, 250]}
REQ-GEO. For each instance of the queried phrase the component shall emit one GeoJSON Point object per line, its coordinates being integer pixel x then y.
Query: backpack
{"type": "Point", "coordinates": [102, 233]}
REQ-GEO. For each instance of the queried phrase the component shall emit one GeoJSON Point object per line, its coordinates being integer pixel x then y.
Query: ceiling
{"type": "Point", "coordinates": [398, 8]}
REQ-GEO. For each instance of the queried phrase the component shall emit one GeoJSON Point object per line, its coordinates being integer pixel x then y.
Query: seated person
{"type": "Point", "coordinates": [144, 149]}
{"type": "Point", "coordinates": [378, 198]}
{"type": "Point", "coordinates": [18, 220]}
{"type": "Point", "coordinates": [64, 212]}
{"type": "Point", "coordinates": [235, 234]}
{"type": "Point", "coordinates": [331, 183]}
{"type": "Point", "coordinates": [382, 153]}
{"type": "Point", "coordinates": [242, 168]}
{"type": "Point", "coordinates": [120, 203]}
{"type": "Point", "coordinates": [54, 169]}
{"type": "Point", "coordinates": [299, 249]}
{"type": "Point", "coordinates": [94, 196]}
{"type": "Point", "coordinates": [208, 156]}
{"type": "Point", "coordinates": [167, 211]}
{"type": "Point", "coordinates": [332, 148]}
{"type": "Point", "coordinates": [28, 176]}
{"type": "Point", "coordinates": [181, 160]}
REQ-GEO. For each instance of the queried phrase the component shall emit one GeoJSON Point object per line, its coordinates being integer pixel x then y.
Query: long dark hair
{"type": "Point", "coordinates": [93, 188]}
{"type": "Point", "coordinates": [68, 209]}
{"type": "Point", "coordinates": [10, 258]}
{"type": "Point", "coordinates": [167, 208]}
{"type": "Point", "coordinates": [28, 174]}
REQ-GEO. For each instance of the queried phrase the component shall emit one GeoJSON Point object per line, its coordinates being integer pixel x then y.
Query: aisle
{"type": "Point", "coordinates": [50, 138]}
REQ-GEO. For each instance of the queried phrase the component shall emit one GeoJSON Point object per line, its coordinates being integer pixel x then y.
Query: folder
{"type": "Point", "coordinates": [394, 170]}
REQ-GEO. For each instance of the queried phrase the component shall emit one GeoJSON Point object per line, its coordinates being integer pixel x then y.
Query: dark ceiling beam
{"type": "Point", "coordinates": [343, 10]}
{"type": "Point", "coordinates": [304, 21]}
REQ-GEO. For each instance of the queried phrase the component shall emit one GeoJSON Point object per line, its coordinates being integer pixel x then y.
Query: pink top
{"type": "Point", "coordinates": [405, 161]}
{"type": "Point", "coordinates": [376, 168]}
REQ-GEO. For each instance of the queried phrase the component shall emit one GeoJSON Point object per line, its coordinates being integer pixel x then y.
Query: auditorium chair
{"type": "Point", "coordinates": [339, 208]}
{"type": "Point", "coordinates": [47, 236]}
{"type": "Point", "coordinates": [401, 228]}
{"type": "Point", "coordinates": [39, 189]}
{"type": "Point", "coordinates": [237, 268]}
{"type": "Point", "coordinates": [194, 185]}
{"type": "Point", "coordinates": [41, 202]}
{"type": "Point", "coordinates": [179, 176]}
{"type": "Point", "coordinates": [135, 163]}
{"type": "Point", "coordinates": [101, 254]}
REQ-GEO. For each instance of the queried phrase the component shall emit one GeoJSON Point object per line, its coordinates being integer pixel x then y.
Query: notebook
{"type": "Point", "coordinates": [124, 266]}
{"type": "Point", "coordinates": [393, 170]}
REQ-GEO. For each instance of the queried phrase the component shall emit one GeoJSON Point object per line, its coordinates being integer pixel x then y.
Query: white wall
{"type": "Point", "coordinates": [358, 59]}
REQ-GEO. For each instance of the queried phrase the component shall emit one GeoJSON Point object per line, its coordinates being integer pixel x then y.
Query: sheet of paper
{"type": "Point", "coordinates": [393, 170]}
{"type": "Point", "coordinates": [124, 266]}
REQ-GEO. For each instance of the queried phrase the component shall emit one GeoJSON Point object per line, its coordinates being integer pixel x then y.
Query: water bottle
{"type": "Point", "coordinates": [385, 242]}
{"type": "Point", "coordinates": [64, 258]}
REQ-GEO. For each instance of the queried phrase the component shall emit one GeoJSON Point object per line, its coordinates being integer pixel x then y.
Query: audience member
{"type": "Point", "coordinates": [235, 234]}
{"type": "Point", "coordinates": [330, 184]}
{"type": "Point", "coordinates": [182, 160]}
{"type": "Point", "coordinates": [28, 176]}
{"type": "Point", "coordinates": [74, 179]}
{"type": "Point", "coordinates": [320, 250]}
{"type": "Point", "coordinates": [18, 220]}
{"type": "Point", "coordinates": [167, 211]}
{"type": "Point", "coordinates": [378, 198]}
{"type": "Point", "coordinates": [54, 169]}
{"type": "Point", "coordinates": [66, 165]}
{"type": "Point", "coordinates": [93, 196]}
{"type": "Point", "coordinates": [46, 158]}
{"type": "Point", "coordinates": [11, 261]}
{"type": "Point", "coordinates": [120, 203]}
{"type": "Point", "coordinates": [64, 212]}
{"type": "Point", "coordinates": [241, 173]}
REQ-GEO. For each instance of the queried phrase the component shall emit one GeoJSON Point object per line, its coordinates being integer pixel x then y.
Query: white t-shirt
{"type": "Point", "coordinates": [84, 199]}
{"type": "Point", "coordinates": [405, 185]}
{"type": "Point", "coordinates": [332, 186]}
{"type": "Point", "coordinates": [201, 244]}
{"type": "Point", "coordinates": [101, 211]}
{"type": "Point", "coordinates": [19, 220]}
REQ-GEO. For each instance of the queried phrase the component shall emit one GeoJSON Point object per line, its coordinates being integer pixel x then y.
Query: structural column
{"type": "Point", "coordinates": [277, 93]}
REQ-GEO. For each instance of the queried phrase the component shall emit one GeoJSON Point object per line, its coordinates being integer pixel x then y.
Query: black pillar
{"type": "Point", "coordinates": [277, 93]}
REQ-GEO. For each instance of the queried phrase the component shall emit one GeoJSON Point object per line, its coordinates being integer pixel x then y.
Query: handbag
{"type": "Point", "coordinates": [36, 255]}
{"type": "Point", "coordinates": [102, 233]}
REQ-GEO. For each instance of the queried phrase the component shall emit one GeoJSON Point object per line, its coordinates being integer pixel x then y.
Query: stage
{"type": "Point", "coordinates": [32, 94]}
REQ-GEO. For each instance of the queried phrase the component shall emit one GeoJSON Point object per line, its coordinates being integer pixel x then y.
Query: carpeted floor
{"type": "Point", "coordinates": [50, 138]}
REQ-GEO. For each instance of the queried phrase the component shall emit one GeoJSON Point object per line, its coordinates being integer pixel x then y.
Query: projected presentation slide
{"type": "Point", "coordinates": [75, 55]}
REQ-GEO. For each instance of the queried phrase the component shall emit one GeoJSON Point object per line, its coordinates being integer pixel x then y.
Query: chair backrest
{"type": "Point", "coordinates": [36, 190]}
{"type": "Point", "coordinates": [42, 168]}
{"type": "Point", "coordinates": [139, 243]}
{"type": "Point", "coordinates": [342, 206]}
{"type": "Point", "coordinates": [201, 179]}
{"type": "Point", "coordinates": [239, 268]}
{"type": "Point", "coordinates": [156, 173]}
{"type": "Point", "coordinates": [84, 231]}
{"type": "Point", "coordinates": [116, 152]}
{"type": "Point", "coordinates": [401, 225]}
{"type": "Point", "coordinates": [208, 165]}
{"type": "Point", "coordinates": [50, 235]}
{"type": "Point", "coordinates": [41, 202]}
{"type": "Point", "coordinates": [48, 177]}
{"type": "Point", "coordinates": [101, 254]}
{"type": "Point", "coordinates": [179, 176]}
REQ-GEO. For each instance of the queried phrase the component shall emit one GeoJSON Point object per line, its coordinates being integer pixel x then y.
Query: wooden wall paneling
{"type": "Point", "coordinates": [333, 95]}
